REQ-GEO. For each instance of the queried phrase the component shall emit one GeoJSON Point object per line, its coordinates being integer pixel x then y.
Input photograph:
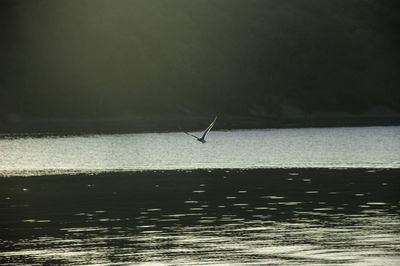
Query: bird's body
{"type": "Point", "coordinates": [202, 139]}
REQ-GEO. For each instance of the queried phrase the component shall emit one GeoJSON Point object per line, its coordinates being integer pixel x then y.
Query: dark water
{"type": "Point", "coordinates": [274, 217]}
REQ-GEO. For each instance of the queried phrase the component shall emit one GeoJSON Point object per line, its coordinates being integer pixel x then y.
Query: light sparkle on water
{"type": "Point", "coordinates": [361, 147]}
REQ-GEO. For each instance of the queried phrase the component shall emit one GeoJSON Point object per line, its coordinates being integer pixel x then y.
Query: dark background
{"type": "Point", "coordinates": [100, 59]}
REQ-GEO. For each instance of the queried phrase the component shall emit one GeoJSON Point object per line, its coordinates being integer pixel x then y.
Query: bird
{"type": "Point", "coordinates": [202, 139]}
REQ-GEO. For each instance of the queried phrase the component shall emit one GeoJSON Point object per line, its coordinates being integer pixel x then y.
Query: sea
{"type": "Point", "coordinates": [304, 196]}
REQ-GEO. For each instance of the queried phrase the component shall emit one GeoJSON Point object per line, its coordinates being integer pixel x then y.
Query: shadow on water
{"type": "Point", "coordinates": [292, 216]}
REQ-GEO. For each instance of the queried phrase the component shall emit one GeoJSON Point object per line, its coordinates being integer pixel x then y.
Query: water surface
{"type": "Point", "coordinates": [258, 217]}
{"type": "Point", "coordinates": [261, 197]}
{"type": "Point", "coordinates": [366, 147]}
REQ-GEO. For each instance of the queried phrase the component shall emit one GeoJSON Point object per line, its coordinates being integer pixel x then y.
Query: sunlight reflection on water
{"type": "Point", "coordinates": [257, 217]}
{"type": "Point", "coordinates": [365, 147]}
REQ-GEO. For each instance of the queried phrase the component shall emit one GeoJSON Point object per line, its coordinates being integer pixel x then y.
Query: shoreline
{"type": "Point", "coordinates": [168, 123]}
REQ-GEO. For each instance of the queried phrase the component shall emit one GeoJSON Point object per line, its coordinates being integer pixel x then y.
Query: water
{"type": "Point", "coordinates": [367, 147]}
{"type": "Point", "coordinates": [259, 197]}
{"type": "Point", "coordinates": [261, 217]}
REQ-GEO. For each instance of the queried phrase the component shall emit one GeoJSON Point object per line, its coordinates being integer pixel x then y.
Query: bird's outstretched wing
{"type": "Point", "coordinates": [209, 128]}
{"type": "Point", "coordinates": [191, 135]}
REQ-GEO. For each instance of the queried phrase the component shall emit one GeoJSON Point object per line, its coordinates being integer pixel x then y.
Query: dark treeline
{"type": "Point", "coordinates": [104, 58]}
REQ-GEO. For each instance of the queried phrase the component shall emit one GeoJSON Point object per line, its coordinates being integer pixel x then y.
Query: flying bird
{"type": "Point", "coordinates": [202, 139]}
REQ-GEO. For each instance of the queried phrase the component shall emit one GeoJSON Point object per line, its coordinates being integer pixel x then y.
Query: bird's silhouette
{"type": "Point", "coordinates": [202, 139]}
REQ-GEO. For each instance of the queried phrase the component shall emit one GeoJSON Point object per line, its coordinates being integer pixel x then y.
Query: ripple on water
{"type": "Point", "coordinates": [248, 220]}
{"type": "Point", "coordinates": [315, 148]}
